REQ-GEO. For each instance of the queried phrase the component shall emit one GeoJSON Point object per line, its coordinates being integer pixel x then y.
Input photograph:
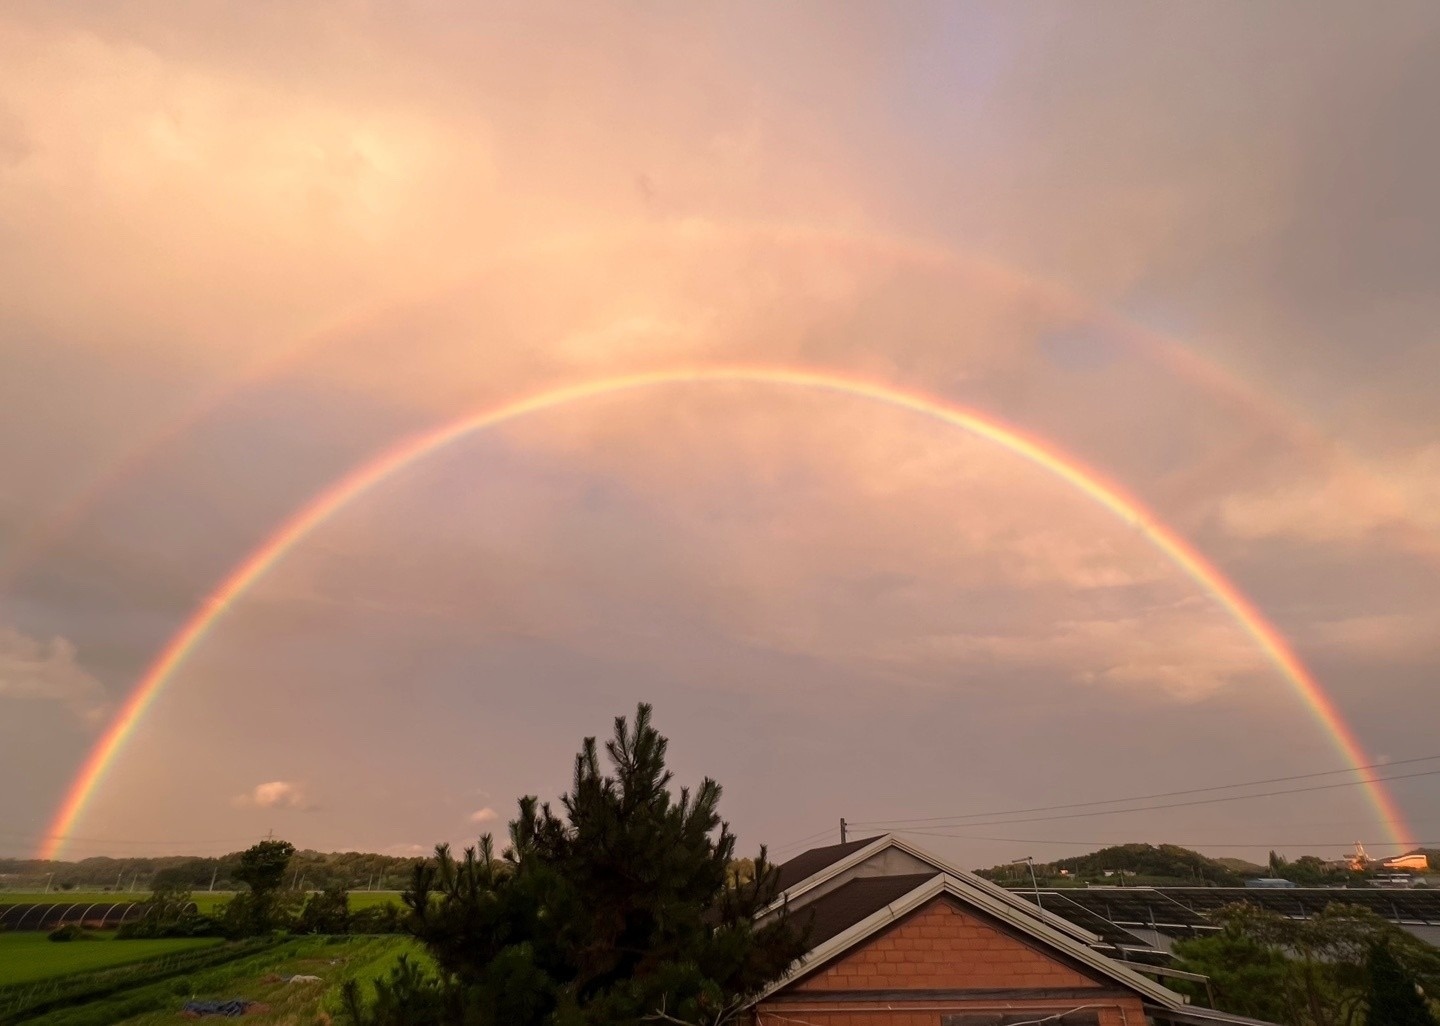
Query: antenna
{"type": "Point", "coordinates": [1030, 861]}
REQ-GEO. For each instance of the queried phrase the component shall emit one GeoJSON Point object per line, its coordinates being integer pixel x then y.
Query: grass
{"type": "Point", "coordinates": [26, 957]}
{"type": "Point", "coordinates": [259, 977]}
{"type": "Point", "coordinates": [205, 901]}
{"type": "Point", "coordinates": [372, 899]}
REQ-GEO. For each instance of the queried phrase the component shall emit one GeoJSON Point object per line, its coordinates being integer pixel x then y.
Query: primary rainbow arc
{"type": "Point", "coordinates": [365, 477]}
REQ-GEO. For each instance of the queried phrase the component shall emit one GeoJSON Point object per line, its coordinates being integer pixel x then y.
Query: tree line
{"type": "Point", "coordinates": [307, 869]}
{"type": "Point", "coordinates": [1346, 966]}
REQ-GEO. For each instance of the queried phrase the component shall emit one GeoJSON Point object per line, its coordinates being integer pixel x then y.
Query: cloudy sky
{"type": "Point", "coordinates": [247, 247]}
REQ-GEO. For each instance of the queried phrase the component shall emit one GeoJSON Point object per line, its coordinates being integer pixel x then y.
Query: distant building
{"type": "Point", "coordinates": [1395, 880]}
{"type": "Point", "coordinates": [1416, 860]}
{"type": "Point", "coordinates": [1269, 881]}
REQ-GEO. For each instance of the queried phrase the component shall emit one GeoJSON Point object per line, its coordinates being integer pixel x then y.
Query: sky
{"type": "Point", "coordinates": [249, 246]}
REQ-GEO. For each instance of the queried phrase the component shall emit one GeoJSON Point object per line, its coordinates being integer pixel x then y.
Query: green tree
{"type": "Point", "coordinates": [1311, 972]}
{"type": "Point", "coordinates": [261, 908]}
{"type": "Point", "coordinates": [1248, 977]}
{"type": "Point", "coordinates": [1393, 997]}
{"type": "Point", "coordinates": [262, 866]}
{"type": "Point", "coordinates": [326, 911]}
{"type": "Point", "coordinates": [615, 911]}
{"type": "Point", "coordinates": [168, 912]}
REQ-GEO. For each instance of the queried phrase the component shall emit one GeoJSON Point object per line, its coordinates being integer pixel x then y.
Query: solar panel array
{"type": "Point", "coordinates": [1418, 906]}
{"type": "Point", "coordinates": [1061, 905]}
{"type": "Point", "coordinates": [1186, 911]}
{"type": "Point", "coordinates": [1139, 906]}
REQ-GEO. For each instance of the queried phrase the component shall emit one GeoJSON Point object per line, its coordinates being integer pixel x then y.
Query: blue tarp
{"type": "Point", "coordinates": [232, 1008]}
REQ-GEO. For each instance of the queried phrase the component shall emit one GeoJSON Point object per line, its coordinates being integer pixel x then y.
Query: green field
{"type": "Point", "coordinates": [25, 957]}
{"type": "Point", "coordinates": [257, 977]}
{"type": "Point", "coordinates": [206, 901]}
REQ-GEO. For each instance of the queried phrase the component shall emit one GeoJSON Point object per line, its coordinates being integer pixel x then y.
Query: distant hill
{"type": "Point", "coordinates": [1245, 869]}
{"type": "Point", "coordinates": [1164, 860]}
{"type": "Point", "coordinates": [1140, 863]}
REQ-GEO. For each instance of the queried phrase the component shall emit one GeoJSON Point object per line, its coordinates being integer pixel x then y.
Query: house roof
{"type": "Point", "coordinates": [816, 860]}
{"type": "Point", "coordinates": [842, 908]}
{"type": "Point", "coordinates": [810, 869]}
{"type": "Point", "coordinates": [846, 916]}
{"type": "Point", "coordinates": [848, 923]}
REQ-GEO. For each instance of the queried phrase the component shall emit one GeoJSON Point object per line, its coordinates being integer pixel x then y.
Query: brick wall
{"type": "Point", "coordinates": [942, 947]}
{"type": "Point", "coordinates": [1127, 1012]}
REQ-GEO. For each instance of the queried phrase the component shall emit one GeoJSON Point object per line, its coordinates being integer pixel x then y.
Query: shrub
{"type": "Point", "coordinates": [378, 919]}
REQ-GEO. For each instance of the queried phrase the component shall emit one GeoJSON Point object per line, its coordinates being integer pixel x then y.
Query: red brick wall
{"type": "Point", "coordinates": [1115, 1012]}
{"type": "Point", "coordinates": [940, 947]}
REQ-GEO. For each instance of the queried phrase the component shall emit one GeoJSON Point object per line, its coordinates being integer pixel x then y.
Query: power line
{"type": "Point", "coordinates": [791, 846]}
{"type": "Point", "coordinates": [1148, 797]}
{"type": "Point", "coordinates": [1190, 845]}
{"type": "Point", "coordinates": [1200, 801]}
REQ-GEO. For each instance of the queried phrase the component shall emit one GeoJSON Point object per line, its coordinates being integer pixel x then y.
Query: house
{"type": "Point", "coordinates": [900, 937]}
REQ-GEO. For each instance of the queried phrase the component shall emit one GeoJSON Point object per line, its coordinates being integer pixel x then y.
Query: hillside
{"type": "Point", "coordinates": [1245, 869]}
{"type": "Point", "coordinates": [1137, 863]}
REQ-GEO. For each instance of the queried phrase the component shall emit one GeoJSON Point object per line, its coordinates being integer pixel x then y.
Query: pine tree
{"type": "Point", "coordinates": [618, 910]}
{"type": "Point", "coordinates": [1393, 999]}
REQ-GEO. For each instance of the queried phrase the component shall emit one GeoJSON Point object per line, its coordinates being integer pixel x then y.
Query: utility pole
{"type": "Point", "coordinates": [842, 829]}
{"type": "Point", "coordinates": [47, 882]}
{"type": "Point", "coordinates": [213, 874]}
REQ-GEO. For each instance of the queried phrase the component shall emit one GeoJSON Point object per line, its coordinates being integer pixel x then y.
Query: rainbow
{"type": "Point", "coordinates": [1163, 350]}
{"type": "Point", "coordinates": [362, 479]}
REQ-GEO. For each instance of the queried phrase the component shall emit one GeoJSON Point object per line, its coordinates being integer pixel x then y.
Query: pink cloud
{"type": "Point", "coordinates": [274, 794]}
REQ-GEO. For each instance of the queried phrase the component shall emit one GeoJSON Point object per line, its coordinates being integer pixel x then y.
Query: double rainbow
{"type": "Point", "coordinates": [367, 476]}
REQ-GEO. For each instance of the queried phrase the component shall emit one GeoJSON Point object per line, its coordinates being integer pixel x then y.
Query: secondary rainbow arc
{"type": "Point", "coordinates": [366, 476]}
{"type": "Point", "coordinates": [1164, 350]}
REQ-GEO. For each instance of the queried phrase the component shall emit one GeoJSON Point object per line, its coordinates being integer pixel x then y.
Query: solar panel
{"type": "Point", "coordinates": [1186, 910]}
{"type": "Point", "coordinates": [1062, 906]}
{"type": "Point", "coordinates": [1138, 906]}
{"type": "Point", "coordinates": [1417, 906]}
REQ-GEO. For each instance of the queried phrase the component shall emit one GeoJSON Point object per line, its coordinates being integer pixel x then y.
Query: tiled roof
{"type": "Point", "coordinates": [832, 914]}
{"type": "Point", "coordinates": [816, 860]}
